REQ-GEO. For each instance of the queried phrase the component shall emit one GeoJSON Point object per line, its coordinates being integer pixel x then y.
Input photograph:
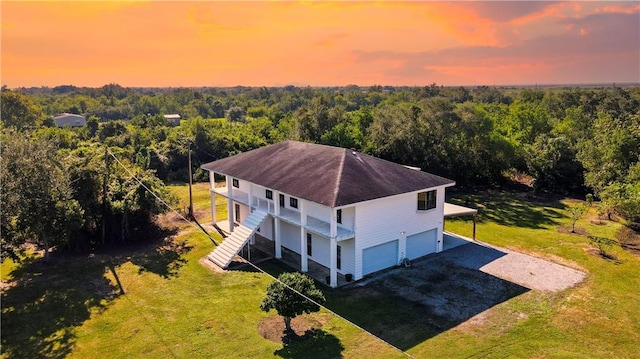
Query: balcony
{"type": "Point", "coordinates": [324, 228]}
{"type": "Point", "coordinates": [236, 194]}
{"type": "Point", "coordinates": [315, 225]}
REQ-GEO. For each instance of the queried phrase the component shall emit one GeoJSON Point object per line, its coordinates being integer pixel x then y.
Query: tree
{"type": "Point", "coordinates": [288, 303]}
{"type": "Point", "coordinates": [19, 111]}
{"type": "Point", "coordinates": [236, 114]}
{"type": "Point", "coordinates": [602, 243]}
{"type": "Point", "coordinates": [552, 163]}
{"type": "Point", "coordinates": [37, 198]}
{"type": "Point", "coordinates": [576, 213]}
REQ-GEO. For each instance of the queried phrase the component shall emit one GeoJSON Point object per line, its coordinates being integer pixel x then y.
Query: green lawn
{"type": "Point", "coordinates": [174, 307]}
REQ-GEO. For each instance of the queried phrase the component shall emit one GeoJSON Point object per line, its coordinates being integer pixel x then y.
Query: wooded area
{"type": "Point", "coordinates": [63, 186]}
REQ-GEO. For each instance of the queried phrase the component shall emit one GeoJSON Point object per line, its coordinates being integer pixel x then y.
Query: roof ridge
{"type": "Point", "coordinates": [336, 190]}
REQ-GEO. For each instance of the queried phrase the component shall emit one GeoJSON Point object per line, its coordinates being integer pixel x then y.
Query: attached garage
{"type": "Point", "coordinates": [379, 257]}
{"type": "Point", "coordinates": [421, 244]}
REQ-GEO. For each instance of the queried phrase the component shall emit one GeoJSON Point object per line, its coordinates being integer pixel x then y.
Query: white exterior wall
{"type": "Point", "coordinates": [243, 186]}
{"type": "Point", "coordinates": [382, 220]}
{"type": "Point", "coordinates": [244, 212]}
{"type": "Point", "coordinates": [290, 236]}
{"type": "Point", "coordinates": [317, 210]}
{"type": "Point", "coordinates": [322, 253]}
{"type": "Point", "coordinates": [348, 218]}
{"type": "Point", "coordinates": [321, 249]}
{"type": "Point", "coordinates": [260, 195]}
{"type": "Point", "coordinates": [266, 228]}
{"type": "Point", "coordinates": [348, 257]}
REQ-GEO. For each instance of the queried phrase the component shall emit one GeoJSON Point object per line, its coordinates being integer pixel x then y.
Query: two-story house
{"type": "Point", "coordinates": [353, 213]}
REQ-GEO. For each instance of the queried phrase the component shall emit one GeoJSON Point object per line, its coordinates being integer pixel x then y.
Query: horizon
{"type": "Point", "coordinates": [275, 44]}
{"type": "Point", "coordinates": [505, 87]}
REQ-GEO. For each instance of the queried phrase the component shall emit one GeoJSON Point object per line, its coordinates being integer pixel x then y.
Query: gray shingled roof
{"type": "Point", "coordinates": [328, 175]}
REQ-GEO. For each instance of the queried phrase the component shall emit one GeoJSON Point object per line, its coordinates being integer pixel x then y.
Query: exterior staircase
{"type": "Point", "coordinates": [223, 254]}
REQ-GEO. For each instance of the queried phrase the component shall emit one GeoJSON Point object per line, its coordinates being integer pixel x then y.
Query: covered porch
{"type": "Point", "coordinates": [263, 250]}
{"type": "Point", "coordinates": [453, 210]}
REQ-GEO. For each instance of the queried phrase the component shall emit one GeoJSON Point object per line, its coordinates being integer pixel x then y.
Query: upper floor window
{"type": "Point", "coordinates": [293, 202]}
{"type": "Point", "coordinates": [269, 194]}
{"type": "Point", "coordinates": [426, 200]}
{"type": "Point", "coordinates": [281, 199]}
{"type": "Point", "coordinates": [235, 183]}
{"type": "Point", "coordinates": [339, 216]}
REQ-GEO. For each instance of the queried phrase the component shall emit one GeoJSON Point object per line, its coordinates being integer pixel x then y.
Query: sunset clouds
{"type": "Point", "coordinates": [318, 44]}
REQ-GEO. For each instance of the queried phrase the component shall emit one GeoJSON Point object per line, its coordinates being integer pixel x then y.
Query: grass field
{"type": "Point", "coordinates": [173, 307]}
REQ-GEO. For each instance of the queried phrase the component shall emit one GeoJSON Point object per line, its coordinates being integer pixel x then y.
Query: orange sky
{"type": "Point", "coordinates": [160, 43]}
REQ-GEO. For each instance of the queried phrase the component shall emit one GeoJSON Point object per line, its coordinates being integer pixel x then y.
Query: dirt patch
{"type": "Point", "coordinates": [604, 255]}
{"type": "Point", "coordinates": [579, 231]}
{"type": "Point", "coordinates": [629, 240]}
{"type": "Point", "coordinates": [272, 328]}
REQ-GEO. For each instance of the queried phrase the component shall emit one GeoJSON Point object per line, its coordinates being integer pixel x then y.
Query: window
{"type": "Point", "coordinates": [293, 202]}
{"type": "Point", "coordinates": [339, 216]}
{"type": "Point", "coordinates": [309, 245]}
{"type": "Point", "coordinates": [237, 212]}
{"type": "Point", "coordinates": [426, 200]}
{"type": "Point", "coordinates": [269, 194]}
{"type": "Point", "coordinates": [235, 183]}
{"type": "Point", "coordinates": [339, 257]}
{"type": "Point", "coordinates": [281, 200]}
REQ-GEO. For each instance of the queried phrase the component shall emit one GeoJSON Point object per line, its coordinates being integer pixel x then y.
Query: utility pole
{"type": "Point", "coordinates": [104, 193]}
{"type": "Point", "coordinates": [190, 183]}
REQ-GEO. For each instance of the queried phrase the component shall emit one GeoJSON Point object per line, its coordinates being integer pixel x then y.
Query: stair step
{"type": "Point", "coordinates": [231, 246]}
{"type": "Point", "coordinates": [224, 252]}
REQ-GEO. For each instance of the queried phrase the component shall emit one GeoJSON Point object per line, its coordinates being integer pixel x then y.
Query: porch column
{"type": "Point", "coordinates": [304, 261]}
{"type": "Point", "coordinates": [250, 193]}
{"type": "Point", "coordinates": [230, 203]}
{"type": "Point", "coordinates": [212, 183]}
{"type": "Point", "coordinates": [402, 247]}
{"type": "Point", "coordinates": [474, 227]}
{"type": "Point", "coordinates": [276, 226]}
{"type": "Point", "coordinates": [213, 207]}
{"type": "Point", "coordinates": [334, 249]}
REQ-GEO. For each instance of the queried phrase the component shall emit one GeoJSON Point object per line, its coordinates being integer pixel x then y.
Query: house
{"type": "Point", "coordinates": [69, 119]}
{"type": "Point", "coordinates": [173, 119]}
{"type": "Point", "coordinates": [350, 212]}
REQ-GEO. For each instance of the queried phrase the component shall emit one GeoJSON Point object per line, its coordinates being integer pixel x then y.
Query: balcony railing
{"type": "Point", "coordinates": [313, 224]}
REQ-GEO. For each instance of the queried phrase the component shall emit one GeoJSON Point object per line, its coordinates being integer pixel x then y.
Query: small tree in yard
{"type": "Point", "coordinates": [576, 213]}
{"type": "Point", "coordinates": [601, 243]}
{"type": "Point", "coordinates": [288, 303]}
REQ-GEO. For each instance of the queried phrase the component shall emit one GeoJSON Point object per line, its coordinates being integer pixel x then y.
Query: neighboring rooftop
{"type": "Point", "coordinates": [69, 119]}
{"type": "Point", "coordinates": [328, 175]}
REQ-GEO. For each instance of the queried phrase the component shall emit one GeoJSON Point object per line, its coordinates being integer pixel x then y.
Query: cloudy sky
{"type": "Point", "coordinates": [207, 43]}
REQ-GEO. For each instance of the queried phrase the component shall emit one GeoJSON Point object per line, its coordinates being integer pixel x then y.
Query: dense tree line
{"type": "Point", "coordinates": [574, 140]}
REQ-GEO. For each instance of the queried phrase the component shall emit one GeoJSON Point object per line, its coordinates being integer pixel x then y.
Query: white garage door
{"type": "Point", "coordinates": [421, 244]}
{"type": "Point", "coordinates": [379, 257]}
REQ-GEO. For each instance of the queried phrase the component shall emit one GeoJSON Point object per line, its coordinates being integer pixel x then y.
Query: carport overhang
{"type": "Point", "coordinates": [453, 210]}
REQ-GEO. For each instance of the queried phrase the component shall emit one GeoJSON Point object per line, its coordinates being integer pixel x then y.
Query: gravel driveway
{"type": "Point", "coordinates": [525, 270]}
{"type": "Point", "coordinates": [469, 278]}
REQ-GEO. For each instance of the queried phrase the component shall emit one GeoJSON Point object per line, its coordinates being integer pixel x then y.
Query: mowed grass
{"type": "Point", "coordinates": [599, 318]}
{"type": "Point", "coordinates": [174, 307]}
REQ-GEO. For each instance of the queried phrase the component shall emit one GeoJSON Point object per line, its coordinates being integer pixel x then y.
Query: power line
{"type": "Point", "coordinates": [325, 308]}
{"type": "Point", "coordinates": [255, 266]}
{"type": "Point", "coordinates": [157, 197]}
